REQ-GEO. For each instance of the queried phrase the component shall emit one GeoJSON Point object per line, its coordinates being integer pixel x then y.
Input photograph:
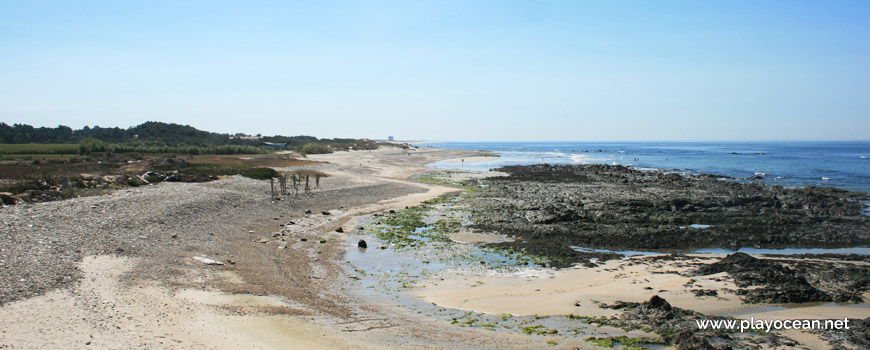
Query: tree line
{"type": "Point", "coordinates": [159, 137]}
{"type": "Point", "coordinates": [167, 133]}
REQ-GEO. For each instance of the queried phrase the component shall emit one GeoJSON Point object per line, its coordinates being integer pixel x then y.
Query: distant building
{"type": "Point", "coordinates": [246, 137]}
{"type": "Point", "coordinates": [390, 138]}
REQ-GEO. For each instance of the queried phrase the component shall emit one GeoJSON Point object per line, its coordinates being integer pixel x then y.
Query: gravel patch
{"type": "Point", "coordinates": [41, 244]}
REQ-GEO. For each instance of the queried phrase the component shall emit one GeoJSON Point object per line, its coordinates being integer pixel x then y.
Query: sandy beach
{"type": "Point", "coordinates": [119, 271]}
{"type": "Point", "coordinates": [579, 291]}
{"type": "Point", "coordinates": [219, 265]}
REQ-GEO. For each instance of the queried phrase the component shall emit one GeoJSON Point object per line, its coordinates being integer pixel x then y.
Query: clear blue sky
{"type": "Point", "coordinates": [445, 70]}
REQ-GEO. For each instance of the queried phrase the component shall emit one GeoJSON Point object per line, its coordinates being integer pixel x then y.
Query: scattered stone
{"type": "Point", "coordinates": [9, 199]}
{"type": "Point", "coordinates": [362, 244]}
{"type": "Point", "coordinates": [339, 230]}
{"type": "Point", "coordinates": [705, 292]}
{"type": "Point", "coordinates": [207, 261]}
{"type": "Point", "coordinates": [325, 212]}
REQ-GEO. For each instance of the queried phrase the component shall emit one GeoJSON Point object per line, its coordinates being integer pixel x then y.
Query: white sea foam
{"type": "Point", "coordinates": [580, 158]}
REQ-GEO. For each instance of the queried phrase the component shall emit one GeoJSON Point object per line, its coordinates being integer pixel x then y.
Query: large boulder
{"type": "Point", "coordinates": [9, 199]}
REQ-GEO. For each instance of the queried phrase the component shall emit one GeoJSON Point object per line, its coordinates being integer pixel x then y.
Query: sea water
{"type": "Point", "coordinates": [843, 165]}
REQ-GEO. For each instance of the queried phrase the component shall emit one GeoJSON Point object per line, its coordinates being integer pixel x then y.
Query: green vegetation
{"type": "Point", "coordinates": [630, 343]}
{"type": "Point", "coordinates": [539, 330]}
{"type": "Point", "coordinates": [254, 172]}
{"type": "Point", "coordinates": [157, 137]}
{"type": "Point", "coordinates": [399, 227]}
{"type": "Point", "coordinates": [434, 179]}
{"type": "Point", "coordinates": [91, 146]}
{"type": "Point", "coordinates": [605, 342]}
{"type": "Point", "coordinates": [314, 148]}
{"type": "Point", "coordinates": [60, 148]}
{"type": "Point", "coordinates": [441, 178]}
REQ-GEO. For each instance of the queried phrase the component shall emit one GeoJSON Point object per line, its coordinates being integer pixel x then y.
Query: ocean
{"type": "Point", "coordinates": [843, 165]}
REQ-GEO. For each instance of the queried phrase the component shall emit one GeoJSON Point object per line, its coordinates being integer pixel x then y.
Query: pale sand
{"type": "Point", "coordinates": [153, 317]}
{"type": "Point", "coordinates": [111, 307]}
{"type": "Point", "coordinates": [556, 292]}
{"type": "Point", "coordinates": [393, 163]}
{"type": "Point", "coordinates": [109, 311]}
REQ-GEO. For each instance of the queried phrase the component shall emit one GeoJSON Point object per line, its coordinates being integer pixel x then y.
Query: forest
{"type": "Point", "coordinates": [158, 137]}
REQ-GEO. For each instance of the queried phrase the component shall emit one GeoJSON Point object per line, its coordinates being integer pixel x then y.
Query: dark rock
{"type": "Point", "coordinates": [705, 292]}
{"type": "Point", "coordinates": [657, 302]}
{"type": "Point", "coordinates": [325, 212]}
{"type": "Point", "coordinates": [687, 340]}
{"type": "Point", "coordinates": [551, 208]}
{"type": "Point", "coordinates": [772, 282]}
{"type": "Point", "coordinates": [339, 230]}
{"type": "Point", "coordinates": [9, 199]}
{"type": "Point", "coordinates": [362, 244]}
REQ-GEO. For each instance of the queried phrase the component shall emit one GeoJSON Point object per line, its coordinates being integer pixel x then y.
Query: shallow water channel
{"type": "Point", "coordinates": [390, 267]}
{"type": "Point", "coordinates": [385, 270]}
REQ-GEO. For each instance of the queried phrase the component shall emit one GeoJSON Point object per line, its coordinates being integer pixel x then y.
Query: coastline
{"type": "Point", "coordinates": [277, 285]}
{"type": "Point", "coordinates": [285, 279]}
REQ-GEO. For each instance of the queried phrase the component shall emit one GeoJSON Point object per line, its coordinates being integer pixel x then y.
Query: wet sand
{"type": "Point", "coordinates": [557, 292]}
{"type": "Point", "coordinates": [460, 161]}
{"type": "Point", "coordinates": [281, 283]}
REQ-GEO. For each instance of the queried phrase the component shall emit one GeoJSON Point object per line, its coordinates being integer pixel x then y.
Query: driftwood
{"type": "Point", "coordinates": [367, 329]}
{"type": "Point", "coordinates": [363, 320]}
{"type": "Point", "coordinates": [289, 185]}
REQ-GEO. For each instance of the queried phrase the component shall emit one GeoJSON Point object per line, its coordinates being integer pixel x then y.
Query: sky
{"type": "Point", "coordinates": [445, 70]}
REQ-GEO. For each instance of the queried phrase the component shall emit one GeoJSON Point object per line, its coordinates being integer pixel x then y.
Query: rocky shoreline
{"type": "Point", "coordinates": [552, 208]}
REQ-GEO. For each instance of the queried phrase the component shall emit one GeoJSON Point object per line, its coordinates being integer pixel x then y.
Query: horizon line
{"type": "Point", "coordinates": [724, 141]}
